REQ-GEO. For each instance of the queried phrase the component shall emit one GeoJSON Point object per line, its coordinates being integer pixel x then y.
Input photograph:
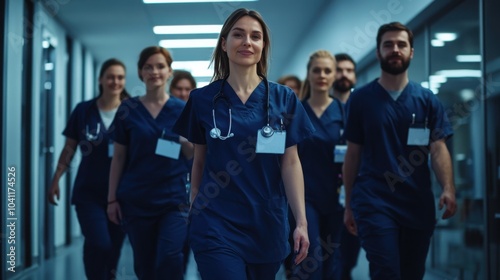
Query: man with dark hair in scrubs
{"type": "Point", "coordinates": [393, 125]}
{"type": "Point", "coordinates": [346, 256]}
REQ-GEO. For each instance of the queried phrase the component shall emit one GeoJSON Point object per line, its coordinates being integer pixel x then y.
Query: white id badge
{"type": "Point", "coordinates": [418, 136]}
{"type": "Point", "coordinates": [339, 153]}
{"type": "Point", "coordinates": [168, 148]}
{"type": "Point", "coordinates": [111, 149]}
{"type": "Point", "coordinates": [275, 144]}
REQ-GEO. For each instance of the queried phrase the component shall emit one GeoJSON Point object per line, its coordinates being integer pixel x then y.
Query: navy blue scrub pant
{"type": "Point", "coordinates": [394, 252]}
{"type": "Point", "coordinates": [324, 238]}
{"type": "Point", "coordinates": [225, 264]}
{"type": "Point", "coordinates": [346, 257]}
{"type": "Point", "coordinates": [157, 244]}
{"type": "Point", "coordinates": [103, 241]}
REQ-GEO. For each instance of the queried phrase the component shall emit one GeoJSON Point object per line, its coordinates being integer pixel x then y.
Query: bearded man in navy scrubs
{"type": "Point", "coordinates": [393, 124]}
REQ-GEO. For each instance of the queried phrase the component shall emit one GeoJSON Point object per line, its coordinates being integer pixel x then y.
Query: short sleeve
{"type": "Point", "coordinates": [354, 124]}
{"type": "Point", "coordinates": [120, 134]}
{"type": "Point", "coordinates": [439, 122]}
{"type": "Point", "coordinates": [297, 122]}
{"type": "Point", "coordinates": [188, 124]}
{"type": "Point", "coordinates": [72, 127]}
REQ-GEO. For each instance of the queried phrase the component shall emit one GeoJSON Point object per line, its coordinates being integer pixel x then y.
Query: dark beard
{"type": "Point", "coordinates": [393, 69]}
{"type": "Point", "coordinates": [343, 85]}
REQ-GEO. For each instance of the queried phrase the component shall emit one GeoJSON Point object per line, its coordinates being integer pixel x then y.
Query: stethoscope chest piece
{"type": "Point", "coordinates": [267, 131]}
{"type": "Point", "coordinates": [215, 133]}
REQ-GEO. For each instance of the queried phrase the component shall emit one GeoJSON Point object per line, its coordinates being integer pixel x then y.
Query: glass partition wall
{"type": "Point", "coordinates": [455, 76]}
{"type": "Point", "coordinates": [492, 90]}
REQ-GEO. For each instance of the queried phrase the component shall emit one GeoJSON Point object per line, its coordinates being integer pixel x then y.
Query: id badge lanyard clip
{"type": "Point", "coordinates": [167, 148]}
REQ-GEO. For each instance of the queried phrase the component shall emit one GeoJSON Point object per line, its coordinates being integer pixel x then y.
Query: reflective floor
{"type": "Point", "coordinates": [68, 264]}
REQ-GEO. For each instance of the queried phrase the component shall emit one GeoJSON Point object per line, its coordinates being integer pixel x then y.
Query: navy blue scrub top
{"type": "Point", "coordinates": [394, 177]}
{"type": "Point", "coordinates": [317, 158]}
{"type": "Point", "coordinates": [241, 204]}
{"type": "Point", "coordinates": [150, 183]}
{"type": "Point", "coordinates": [91, 183]}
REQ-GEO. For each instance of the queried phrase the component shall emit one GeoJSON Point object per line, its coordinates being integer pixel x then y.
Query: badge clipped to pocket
{"type": "Point", "coordinates": [273, 144]}
{"type": "Point", "coordinates": [418, 136]}
{"type": "Point", "coordinates": [168, 148]}
{"type": "Point", "coordinates": [339, 153]}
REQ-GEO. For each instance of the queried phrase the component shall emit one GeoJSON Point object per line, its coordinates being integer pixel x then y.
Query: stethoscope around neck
{"type": "Point", "coordinates": [88, 135]}
{"type": "Point", "coordinates": [215, 132]}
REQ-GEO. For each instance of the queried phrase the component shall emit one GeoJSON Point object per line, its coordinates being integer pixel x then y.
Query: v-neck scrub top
{"type": "Point", "coordinates": [241, 203]}
{"type": "Point", "coordinates": [150, 183]}
{"type": "Point", "coordinates": [394, 177]}
{"type": "Point", "coordinates": [317, 157]}
{"type": "Point", "coordinates": [91, 182]}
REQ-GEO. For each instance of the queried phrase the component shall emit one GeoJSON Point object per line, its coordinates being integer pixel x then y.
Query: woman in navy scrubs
{"type": "Point", "coordinates": [181, 86]}
{"type": "Point", "coordinates": [89, 128]}
{"type": "Point", "coordinates": [242, 175]}
{"type": "Point", "coordinates": [147, 179]}
{"type": "Point", "coordinates": [318, 161]}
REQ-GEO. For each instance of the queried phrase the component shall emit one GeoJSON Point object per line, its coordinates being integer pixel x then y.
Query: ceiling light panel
{"type": "Point", "coordinates": [187, 29]}
{"type": "Point", "coordinates": [437, 43]}
{"type": "Point", "coordinates": [198, 68]}
{"type": "Point", "coordinates": [191, 1]}
{"type": "Point", "coordinates": [446, 37]}
{"type": "Point", "coordinates": [469, 58]}
{"type": "Point", "coordinates": [188, 43]}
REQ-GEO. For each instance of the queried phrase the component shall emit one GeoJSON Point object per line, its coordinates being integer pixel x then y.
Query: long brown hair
{"type": "Point", "coordinates": [108, 63]}
{"type": "Point", "coordinates": [220, 58]}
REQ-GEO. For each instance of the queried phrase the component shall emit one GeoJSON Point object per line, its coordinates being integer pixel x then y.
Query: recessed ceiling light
{"type": "Point", "coordinates": [467, 94]}
{"type": "Point", "coordinates": [469, 58]}
{"type": "Point", "coordinates": [198, 68]}
{"type": "Point", "coordinates": [437, 79]}
{"type": "Point", "coordinates": [437, 43]}
{"type": "Point", "coordinates": [446, 37]}
{"type": "Point", "coordinates": [187, 29]}
{"type": "Point", "coordinates": [460, 73]}
{"type": "Point", "coordinates": [191, 1]}
{"type": "Point", "coordinates": [188, 43]}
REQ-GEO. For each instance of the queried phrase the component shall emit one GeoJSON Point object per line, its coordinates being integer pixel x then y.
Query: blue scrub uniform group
{"type": "Point", "coordinates": [321, 181]}
{"type": "Point", "coordinates": [103, 239]}
{"type": "Point", "coordinates": [151, 191]}
{"type": "Point", "coordinates": [392, 201]}
{"type": "Point", "coordinates": [238, 220]}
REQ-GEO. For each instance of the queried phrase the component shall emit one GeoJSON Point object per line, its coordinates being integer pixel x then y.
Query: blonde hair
{"type": "Point", "coordinates": [305, 91]}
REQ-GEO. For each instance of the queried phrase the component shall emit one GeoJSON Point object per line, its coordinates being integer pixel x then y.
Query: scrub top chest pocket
{"type": "Point", "coordinates": [418, 133]}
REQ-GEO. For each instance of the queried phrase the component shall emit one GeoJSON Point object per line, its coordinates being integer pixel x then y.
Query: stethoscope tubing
{"type": "Point", "coordinates": [215, 132]}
